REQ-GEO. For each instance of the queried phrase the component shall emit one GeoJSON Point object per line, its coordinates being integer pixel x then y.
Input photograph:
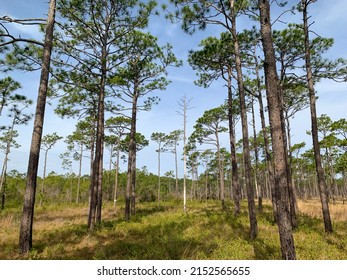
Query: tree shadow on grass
{"type": "Point", "coordinates": [161, 242]}
{"type": "Point", "coordinates": [236, 223]}
{"type": "Point", "coordinates": [338, 239]}
{"type": "Point", "coordinates": [54, 244]}
{"type": "Point", "coordinates": [265, 251]}
{"type": "Point", "coordinates": [308, 224]}
{"type": "Point", "coordinates": [165, 240]}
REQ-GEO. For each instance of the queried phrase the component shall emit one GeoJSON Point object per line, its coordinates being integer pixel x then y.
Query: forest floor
{"type": "Point", "coordinates": [165, 233]}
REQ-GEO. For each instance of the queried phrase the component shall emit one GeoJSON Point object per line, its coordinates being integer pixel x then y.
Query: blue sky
{"type": "Point", "coordinates": [330, 21]}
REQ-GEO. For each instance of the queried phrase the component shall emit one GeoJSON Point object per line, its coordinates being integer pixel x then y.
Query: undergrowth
{"type": "Point", "coordinates": [165, 232]}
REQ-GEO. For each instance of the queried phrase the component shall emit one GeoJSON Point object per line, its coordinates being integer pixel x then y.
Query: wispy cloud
{"type": "Point", "coordinates": [182, 79]}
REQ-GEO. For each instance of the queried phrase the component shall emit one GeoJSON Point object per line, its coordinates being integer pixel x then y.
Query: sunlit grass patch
{"type": "Point", "coordinates": [165, 232]}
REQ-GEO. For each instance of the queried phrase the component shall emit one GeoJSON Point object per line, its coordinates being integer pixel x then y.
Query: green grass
{"type": "Point", "coordinates": [165, 232]}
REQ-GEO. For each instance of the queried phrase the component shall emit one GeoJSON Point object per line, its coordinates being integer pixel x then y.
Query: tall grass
{"type": "Point", "coordinates": [165, 232]}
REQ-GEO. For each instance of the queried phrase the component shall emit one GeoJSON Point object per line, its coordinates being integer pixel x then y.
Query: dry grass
{"type": "Point", "coordinates": [205, 232]}
{"type": "Point", "coordinates": [312, 208]}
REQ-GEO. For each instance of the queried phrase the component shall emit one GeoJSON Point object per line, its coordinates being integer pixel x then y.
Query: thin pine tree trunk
{"type": "Point", "coordinates": [116, 180]}
{"type": "Point", "coordinates": [25, 236]}
{"type": "Point", "coordinates": [79, 176]}
{"type": "Point", "coordinates": [245, 137]}
{"type": "Point", "coordinates": [131, 175]}
{"type": "Point", "coordinates": [269, 160]}
{"type": "Point", "coordinates": [236, 187]}
{"type": "Point", "coordinates": [314, 127]}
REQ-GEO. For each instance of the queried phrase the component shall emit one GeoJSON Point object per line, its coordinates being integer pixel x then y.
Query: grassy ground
{"type": "Point", "coordinates": [164, 232]}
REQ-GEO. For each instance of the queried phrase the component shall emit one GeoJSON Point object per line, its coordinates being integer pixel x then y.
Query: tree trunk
{"type": "Point", "coordinates": [184, 106]}
{"type": "Point", "coordinates": [25, 237]}
{"type": "Point", "coordinates": [131, 162]}
{"type": "Point", "coordinates": [96, 199]}
{"type": "Point", "coordinates": [3, 178]}
{"type": "Point", "coordinates": [100, 184]}
{"type": "Point", "coordinates": [116, 179]}
{"type": "Point", "coordinates": [43, 178]}
{"type": "Point", "coordinates": [159, 148]}
{"type": "Point", "coordinates": [292, 193]}
{"type": "Point", "coordinates": [176, 169]}
{"type": "Point", "coordinates": [314, 127]}
{"type": "Point", "coordinates": [245, 137]}
{"type": "Point", "coordinates": [92, 191]}
{"type": "Point", "coordinates": [291, 198]}
{"type": "Point", "coordinates": [236, 187]}
{"type": "Point", "coordinates": [278, 145]}
{"type": "Point", "coordinates": [256, 157]}
{"type": "Point", "coordinates": [79, 176]}
{"type": "Point", "coordinates": [220, 172]}
{"type": "Point", "coordinates": [206, 183]}
{"type": "Point", "coordinates": [109, 183]}
{"type": "Point", "coordinates": [269, 161]}
{"type": "Point", "coordinates": [4, 170]}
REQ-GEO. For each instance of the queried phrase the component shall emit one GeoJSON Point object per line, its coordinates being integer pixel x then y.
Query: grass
{"type": "Point", "coordinates": [165, 232]}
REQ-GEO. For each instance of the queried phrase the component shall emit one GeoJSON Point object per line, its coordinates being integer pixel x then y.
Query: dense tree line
{"type": "Point", "coordinates": [103, 68]}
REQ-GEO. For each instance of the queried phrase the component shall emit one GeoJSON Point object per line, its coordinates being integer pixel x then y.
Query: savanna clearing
{"type": "Point", "coordinates": [165, 232]}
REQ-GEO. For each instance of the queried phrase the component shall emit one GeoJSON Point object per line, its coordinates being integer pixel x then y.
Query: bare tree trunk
{"type": "Point", "coordinates": [245, 137]}
{"type": "Point", "coordinates": [184, 104]}
{"type": "Point", "coordinates": [25, 237]}
{"type": "Point", "coordinates": [314, 127]}
{"type": "Point", "coordinates": [280, 160]}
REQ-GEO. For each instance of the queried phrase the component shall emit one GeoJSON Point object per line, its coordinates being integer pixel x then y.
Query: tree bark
{"type": "Point", "coordinates": [269, 160]}
{"type": "Point", "coordinates": [25, 237]}
{"type": "Point", "coordinates": [278, 145]}
{"type": "Point", "coordinates": [258, 187]}
{"type": "Point", "coordinates": [220, 171]}
{"type": "Point", "coordinates": [176, 169]}
{"type": "Point", "coordinates": [314, 127]}
{"type": "Point", "coordinates": [292, 189]}
{"type": "Point", "coordinates": [96, 197]}
{"type": "Point", "coordinates": [3, 177]}
{"type": "Point", "coordinates": [79, 176]}
{"type": "Point", "coordinates": [130, 191]}
{"type": "Point", "coordinates": [116, 179]}
{"type": "Point", "coordinates": [291, 198]}
{"type": "Point", "coordinates": [91, 215]}
{"type": "Point", "coordinates": [236, 187]}
{"type": "Point", "coordinates": [245, 137]}
{"type": "Point", "coordinates": [159, 148]}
